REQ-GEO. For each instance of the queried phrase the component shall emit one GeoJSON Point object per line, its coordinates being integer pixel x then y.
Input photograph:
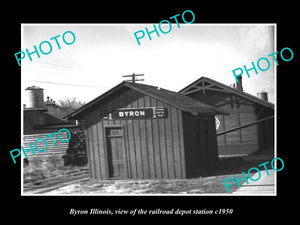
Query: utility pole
{"type": "Point", "coordinates": [133, 79]}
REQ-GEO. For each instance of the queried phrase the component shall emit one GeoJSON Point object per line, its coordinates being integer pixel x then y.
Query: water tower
{"type": "Point", "coordinates": [35, 96]}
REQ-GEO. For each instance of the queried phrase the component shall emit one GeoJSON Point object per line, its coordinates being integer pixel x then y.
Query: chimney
{"type": "Point", "coordinates": [35, 97]}
{"type": "Point", "coordinates": [263, 95]}
{"type": "Point", "coordinates": [239, 85]}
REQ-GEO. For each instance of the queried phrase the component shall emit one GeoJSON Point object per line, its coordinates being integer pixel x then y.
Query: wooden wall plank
{"type": "Point", "coordinates": [169, 127]}
{"type": "Point", "coordinates": [149, 139]}
{"type": "Point", "coordinates": [131, 149]}
{"type": "Point", "coordinates": [156, 143]}
{"type": "Point", "coordinates": [102, 151]}
{"type": "Point", "coordinates": [181, 144]}
{"type": "Point", "coordinates": [204, 143]}
{"type": "Point", "coordinates": [188, 143]}
{"type": "Point", "coordinates": [91, 150]}
{"type": "Point", "coordinates": [231, 122]}
{"type": "Point", "coordinates": [176, 143]}
{"type": "Point", "coordinates": [128, 152]}
{"type": "Point", "coordinates": [213, 145]}
{"type": "Point", "coordinates": [96, 153]}
{"type": "Point", "coordinates": [88, 146]}
{"type": "Point", "coordinates": [163, 145]}
{"type": "Point", "coordinates": [137, 142]}
{"type": "Point", "coordinates": [144, 142]}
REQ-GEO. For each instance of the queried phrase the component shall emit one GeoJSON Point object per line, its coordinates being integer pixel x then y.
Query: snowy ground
{"type": "Point", "coordinates": [212, 183]}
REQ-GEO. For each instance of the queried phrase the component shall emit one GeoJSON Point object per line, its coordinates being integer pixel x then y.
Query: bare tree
{"type": "Point", "coordinates": [71, 102]}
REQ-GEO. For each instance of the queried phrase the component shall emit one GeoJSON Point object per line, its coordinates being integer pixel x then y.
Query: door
{"type": "Point", "coordinates": [116, 153]}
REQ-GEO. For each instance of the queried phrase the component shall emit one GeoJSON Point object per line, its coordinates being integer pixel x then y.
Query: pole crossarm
{"type": "Point", "coordinates": [133, 79]}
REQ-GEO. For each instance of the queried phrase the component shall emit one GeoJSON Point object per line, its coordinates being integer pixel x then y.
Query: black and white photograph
{"type": "Point", "coordinates": [159, 116]}
{"type": "Point", "coordinates": [129, 112]}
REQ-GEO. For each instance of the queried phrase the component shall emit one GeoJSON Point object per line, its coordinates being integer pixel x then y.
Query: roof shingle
{"type": "Point", "coordinates": [175, 99]}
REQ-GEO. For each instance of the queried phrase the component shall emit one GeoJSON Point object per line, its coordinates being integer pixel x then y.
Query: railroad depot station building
{"type": "Point", "coordinates": [244, 112]}
{"type": "Point", "coordinates": [140, 131]}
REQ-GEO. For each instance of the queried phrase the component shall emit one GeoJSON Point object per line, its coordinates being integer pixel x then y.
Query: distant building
{"type": "Point", "coordinates": [40, 119]}
{"type": "Point", "coordinates": [243, 109]}
{"type": "Point", "coordinates": [43, 116]}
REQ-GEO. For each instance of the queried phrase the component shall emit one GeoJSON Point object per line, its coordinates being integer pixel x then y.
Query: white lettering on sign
{"type": "Point", "coordinates": [140, 113]}
{"type": "Point", "coordinates": [131, 113]}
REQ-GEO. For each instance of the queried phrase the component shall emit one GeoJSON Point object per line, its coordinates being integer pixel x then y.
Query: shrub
{"type": "Point", "coordinates": [76, 153]}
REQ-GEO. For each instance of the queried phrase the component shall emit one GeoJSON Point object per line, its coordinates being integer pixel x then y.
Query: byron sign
{"type": "Point", "coordinates": [140, 113]}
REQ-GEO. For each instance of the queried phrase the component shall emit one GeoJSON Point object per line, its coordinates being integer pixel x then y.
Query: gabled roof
{"type": "Point", "coordinates": [52, 119]}
{"type": "Point", "coordinates": [217, 86]}
{"type": "Point", "coordinates": [58, 111]}
{"type": "Point", "coordinates": [175, 99]}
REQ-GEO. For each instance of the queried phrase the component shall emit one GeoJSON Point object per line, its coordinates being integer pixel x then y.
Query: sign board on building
{"type": "Point", "coordinates": [140, 113]}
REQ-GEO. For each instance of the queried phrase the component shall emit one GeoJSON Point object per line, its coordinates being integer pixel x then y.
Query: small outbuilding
{"type": "Point", "coordinates": [140, 131]}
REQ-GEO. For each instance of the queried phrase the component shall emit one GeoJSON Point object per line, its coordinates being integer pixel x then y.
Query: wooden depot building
{"type": "Point", "coordinates": [140, 131]}
{"type": "Point", "coordinates": [249, 124]}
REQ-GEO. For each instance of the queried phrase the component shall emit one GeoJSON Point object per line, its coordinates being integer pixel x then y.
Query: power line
{"type": "Point", "coordinates": [58, 63]}
{"type": "Point", "coordinates": [69, 84]}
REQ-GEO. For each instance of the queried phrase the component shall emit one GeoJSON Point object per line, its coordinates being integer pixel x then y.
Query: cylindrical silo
{"type": "Point", "coordinates": [35, 97]}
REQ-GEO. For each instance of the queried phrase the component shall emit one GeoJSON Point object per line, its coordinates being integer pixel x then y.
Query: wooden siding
{"type": "Point", "coordinates": [243, 141]}
{"type": "Point", "coordinates": [201, 150]}
{"type": "Point", "coordinates": [154, 148]}
{"type": "Point", "coordinates": [59, 149]}
{"type": "Point", "coordinates": [239, 142]}
{"type": "Point", "coordinates": [266, 129]}
{"type": "Point", "coordinates": [243, 108]}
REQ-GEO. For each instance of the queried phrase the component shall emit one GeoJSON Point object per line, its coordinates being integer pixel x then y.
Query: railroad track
{"type": "Point", "coordinates": [40, 186]}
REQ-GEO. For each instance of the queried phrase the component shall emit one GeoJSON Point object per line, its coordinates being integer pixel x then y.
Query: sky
{"type": "Point", "coordinates": [102, 53]}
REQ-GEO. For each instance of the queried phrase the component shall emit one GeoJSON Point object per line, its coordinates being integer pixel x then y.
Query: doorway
{"type": "Point", "coordinates": [116, 152]}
